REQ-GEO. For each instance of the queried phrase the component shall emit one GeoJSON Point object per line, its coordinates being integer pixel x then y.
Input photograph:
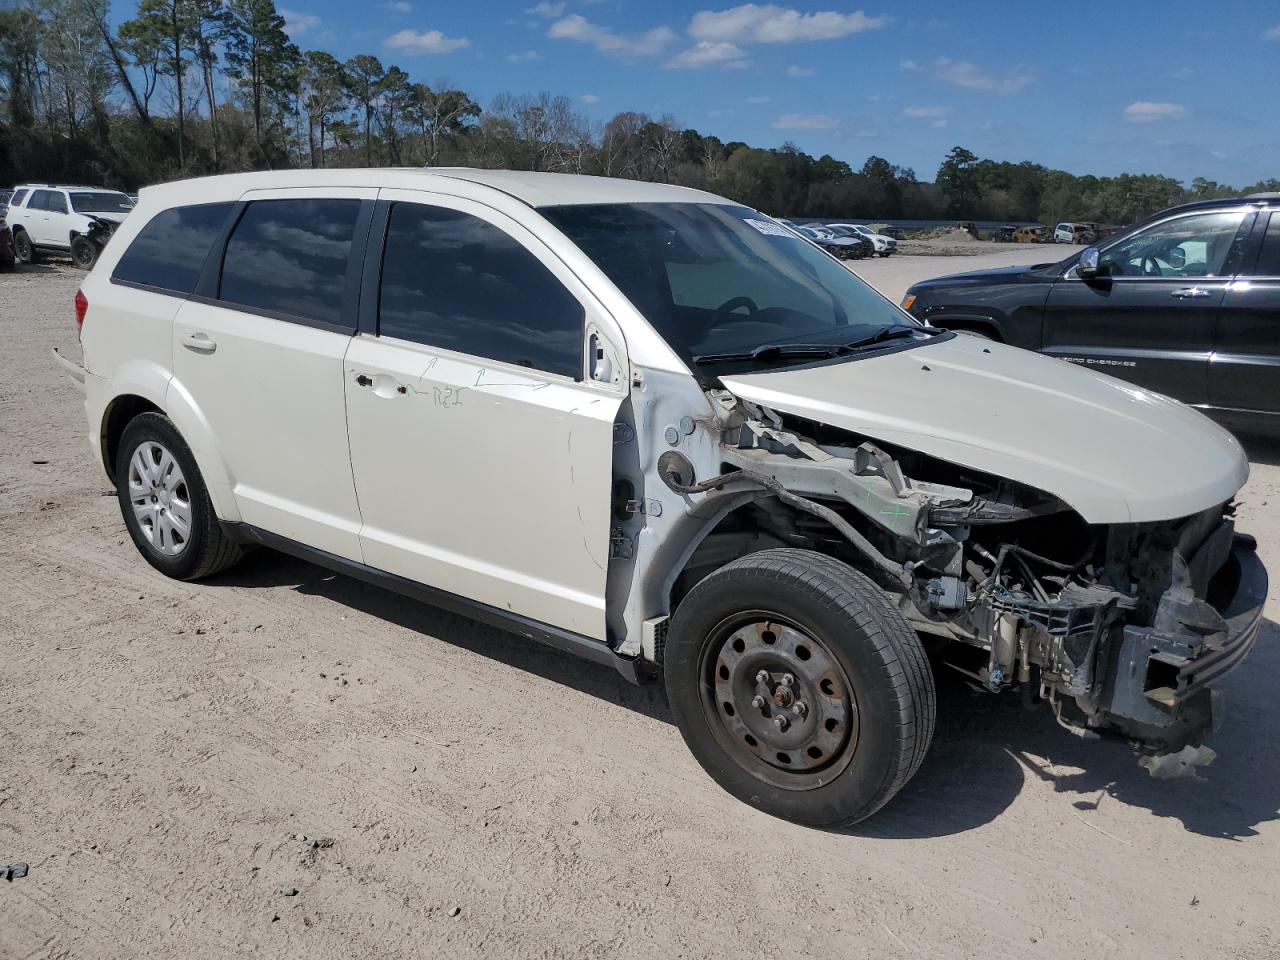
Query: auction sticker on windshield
{"type": "Point", "coordinates": [770, 229]}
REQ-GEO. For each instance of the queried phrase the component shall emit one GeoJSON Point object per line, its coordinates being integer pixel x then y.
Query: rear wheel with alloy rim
{"type": "Point", "coordinates": [165, 504]}
{"type": "Point", "coordinates": [799, 687]}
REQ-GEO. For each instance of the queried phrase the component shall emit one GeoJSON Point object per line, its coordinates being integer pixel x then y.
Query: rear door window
{"type": "Point", "coordinates": [169, 252]}
{"type": "Point", "coordinates": [1269, 258]}
{"type": "Point", "coordinates": [40, 200]}
{"type": "Point", "coordinates": [288, 258]}
{"type": "Point", "coordinates": [455, 281]}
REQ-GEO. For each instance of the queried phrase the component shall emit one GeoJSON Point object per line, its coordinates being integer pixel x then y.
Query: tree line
{"type": "Point", "coordinates": [193, 87]}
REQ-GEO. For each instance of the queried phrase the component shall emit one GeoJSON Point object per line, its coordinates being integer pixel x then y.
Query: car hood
{"type": "Point", "coordinates": [995, 276]}
{"type": "Point", "coordinates": [113, 216]}
{"type": "Point", "coordinates": [1114, 452]}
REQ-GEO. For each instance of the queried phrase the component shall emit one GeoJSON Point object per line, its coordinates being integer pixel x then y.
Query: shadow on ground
{"type": "Point", "coordinates": [986, 749]}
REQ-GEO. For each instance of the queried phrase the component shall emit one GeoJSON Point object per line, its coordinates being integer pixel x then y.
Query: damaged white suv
{"type": "Point", "coordinates": [651, 427]}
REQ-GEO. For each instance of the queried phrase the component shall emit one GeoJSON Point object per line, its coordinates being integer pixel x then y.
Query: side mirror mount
{"type": "Point", "coordinates": [1087, 267]}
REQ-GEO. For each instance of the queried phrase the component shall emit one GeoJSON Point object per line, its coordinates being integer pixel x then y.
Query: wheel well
{"type": "Point", "coordinates": [122, 410]}
{"type": "Point", "coordinates": [763, 524]}
{"type": "Point", "coordinates": [977, 325]}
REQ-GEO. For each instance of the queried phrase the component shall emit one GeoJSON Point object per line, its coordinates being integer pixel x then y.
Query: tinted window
{"type": "Point", "coordinates": [1269, 260]}
{"type": "Point", "coordinates": [40, 200]}
{"type": "Point", "coordinates": [169, 252]}
{"type": "Point", "coordinates": [100, 202]}
{"type": "Point", "coordinates": [54, 202]}
{"type": "Point", "coordinates": [452, 280]}
{"type": "Point", "coordinates": [290, 257]}
{"type": "Point", "coordinates": [1191, 246]}
{"type": "Point", "coordinates": [16, 199]}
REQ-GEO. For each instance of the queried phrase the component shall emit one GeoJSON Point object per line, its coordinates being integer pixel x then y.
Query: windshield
{"type": "Point", "coordinates": [100, 202]}
{"type": "Point", "coordinates": [717, 280]}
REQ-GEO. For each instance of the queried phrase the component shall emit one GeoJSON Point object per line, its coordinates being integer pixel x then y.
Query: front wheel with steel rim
{"type": "Point", "coordinates": [799, 687]}
{"type": "Point", "coordinates": [165, 504]}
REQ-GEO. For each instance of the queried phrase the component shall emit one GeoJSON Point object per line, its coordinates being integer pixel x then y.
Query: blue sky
{"type": "Point", "coordinates": [1180, 88]}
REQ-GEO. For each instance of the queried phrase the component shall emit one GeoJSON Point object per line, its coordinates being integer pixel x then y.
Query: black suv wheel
{"type": "Point", "coordinates": [799, 688]}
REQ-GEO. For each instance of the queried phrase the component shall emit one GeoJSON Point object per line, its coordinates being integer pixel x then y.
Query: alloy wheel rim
{"type": "Point", "coordinates": [779, 701]}
{"type": "Point", "coordinates": [160, 498]}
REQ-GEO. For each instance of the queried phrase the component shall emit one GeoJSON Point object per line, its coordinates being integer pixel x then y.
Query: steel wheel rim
{"type": "Point", "coordinates": [817, 741]}
{"type": "Point", "coordinates": [160, 498]}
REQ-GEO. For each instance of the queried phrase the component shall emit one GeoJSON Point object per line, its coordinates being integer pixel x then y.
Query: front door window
{"type": "Point", "coordinates": [1199, 245]}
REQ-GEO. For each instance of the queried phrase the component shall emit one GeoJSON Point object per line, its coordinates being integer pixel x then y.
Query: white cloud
{"type": "Point", "coordinates": [1145, 111]}
{"type": "Point", "coordinates": [794, 71]}
{"type": "Point", "coordinates": [397, 6]}
{"type": "Point", "coordinates": [753, 23]}
{"type": "Point", "coordinates": [973, 77]}
{"type": "Point", "coordinates": [805, 121]}
{"type": "Point", "coordinates": [428, 41]}
{"type": "Point", "coordinates": [544, 9]}
{"type": "Point", "coordinates": [589, 98]}
{"type": "Point", "coordinates": [759, 99]}
{"type": "Point", "coordinates": [925, 113]}
{"type": "Point", "coordinates": [707, 53]}
{"type": "Point", "coordinates": [911, 65]}
{"type": "Point", "coordinates": [296, 22]}
{"type": "Point", "coordinates": [1273, 33]}
{"type": "Point", "coordinates": [938, 124]}
{"type": "Point", "coordinates": [579, 28]}
{"type": "Point", "coordinates": [524, 56]}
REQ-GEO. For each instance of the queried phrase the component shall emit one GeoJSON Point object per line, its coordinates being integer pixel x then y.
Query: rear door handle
{"type": "Point", "coordinates": [1190, 293]}
{"type": "Point", "coordinates": [199, 342]}
{"type": "Point", "coordinates": [364, 381]}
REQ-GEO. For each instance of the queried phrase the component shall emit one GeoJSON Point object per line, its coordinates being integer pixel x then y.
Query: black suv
{"type": "Point", "coordinates": [1186, 303]}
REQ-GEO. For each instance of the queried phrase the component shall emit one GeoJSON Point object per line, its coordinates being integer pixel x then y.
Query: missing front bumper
{"type": "Point", "coordinates": [1161, 691]}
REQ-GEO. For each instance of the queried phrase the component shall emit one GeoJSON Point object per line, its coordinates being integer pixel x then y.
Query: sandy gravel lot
{"type": "Point", "coordinates": [173, 756]}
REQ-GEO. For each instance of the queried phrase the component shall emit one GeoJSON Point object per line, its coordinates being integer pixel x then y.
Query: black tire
{"type": "Point", "coordinates": [206, 549]}
{"type": "Point", "coordinates": [851, 634]}
{"type": "Point", "coordinates": [84, 253]}
{"type": "Point", "coordinates": [24, 251]}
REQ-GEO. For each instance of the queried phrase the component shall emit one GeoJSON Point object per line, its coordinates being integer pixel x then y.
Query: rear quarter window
{"type": "Point", "coordinates": [169, 252]}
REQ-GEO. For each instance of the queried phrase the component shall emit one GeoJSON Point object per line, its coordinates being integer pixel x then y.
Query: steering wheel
{"type": "Point", "coordinates": [1151, 267]}
{"type": "Point", "coordinates": [729, 306]}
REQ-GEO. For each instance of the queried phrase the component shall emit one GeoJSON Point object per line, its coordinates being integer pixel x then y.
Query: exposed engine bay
{"type": "Point", "coordinates": [1117, 627]}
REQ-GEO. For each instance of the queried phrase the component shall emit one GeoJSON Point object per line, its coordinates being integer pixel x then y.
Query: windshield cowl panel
{"type": "Point", "coordinates": [724, 281]}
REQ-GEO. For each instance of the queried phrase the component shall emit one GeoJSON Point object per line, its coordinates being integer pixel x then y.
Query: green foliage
{"type": "Point", "coordinates": [141, 104]}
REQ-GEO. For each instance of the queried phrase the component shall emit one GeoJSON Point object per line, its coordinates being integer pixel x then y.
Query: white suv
{"type": "Point", "coordinates": [884, 246]}
{"type": "Point", "coordinates": [654, 428]}
{"type": "Point", "coordinates": [68, 220]}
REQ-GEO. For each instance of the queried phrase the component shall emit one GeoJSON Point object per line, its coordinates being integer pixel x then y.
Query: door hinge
{"type": "Point", "coordinates": [621, 547]}
{"type": "Point", "coordinates": [650, 508]}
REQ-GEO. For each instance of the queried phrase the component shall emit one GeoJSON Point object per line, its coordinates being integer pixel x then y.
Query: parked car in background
{"type": "Point", "coordinates": [1079, 233]}
{"type": "Point", "coordinates": [1003, 234]}
{"type": "Point", "coordinates": [4, 200]}
{"type": "Point", "coordinates": [1186, 303]}
{"type": "Point", "coordinates": [74, 221]}
{"type": "Point", "coordinates": [1032, 234]}
{"type": "Point", "coordinates": [880, 243]}
{"type": "Point", "coordinates": [7, 258]}
{"type": "Point", "coordinates": [864, 247]}
{"type": "Point", "coordinates": [844, 248]}
{"type": "Point", "coordinates": [681, 442]}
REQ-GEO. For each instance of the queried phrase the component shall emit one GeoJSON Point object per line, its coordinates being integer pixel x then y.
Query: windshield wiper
{"type": "Point", "coordinates": [772, 351]}
{"type": "Point", "coordinates": [892, 332]}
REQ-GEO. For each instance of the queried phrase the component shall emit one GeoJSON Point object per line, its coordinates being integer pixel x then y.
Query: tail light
{"type": "Point", "coordinates": [82, 307]}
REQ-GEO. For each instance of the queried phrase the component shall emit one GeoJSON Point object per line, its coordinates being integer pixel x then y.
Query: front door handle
{"type": "Point", "coordinates": [1190, 293]}
{"type": "Point", "coordinates": [199, 342]}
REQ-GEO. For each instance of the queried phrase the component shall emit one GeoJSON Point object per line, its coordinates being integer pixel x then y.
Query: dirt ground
{"type": "Point", "coordinates": [176, 758]}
